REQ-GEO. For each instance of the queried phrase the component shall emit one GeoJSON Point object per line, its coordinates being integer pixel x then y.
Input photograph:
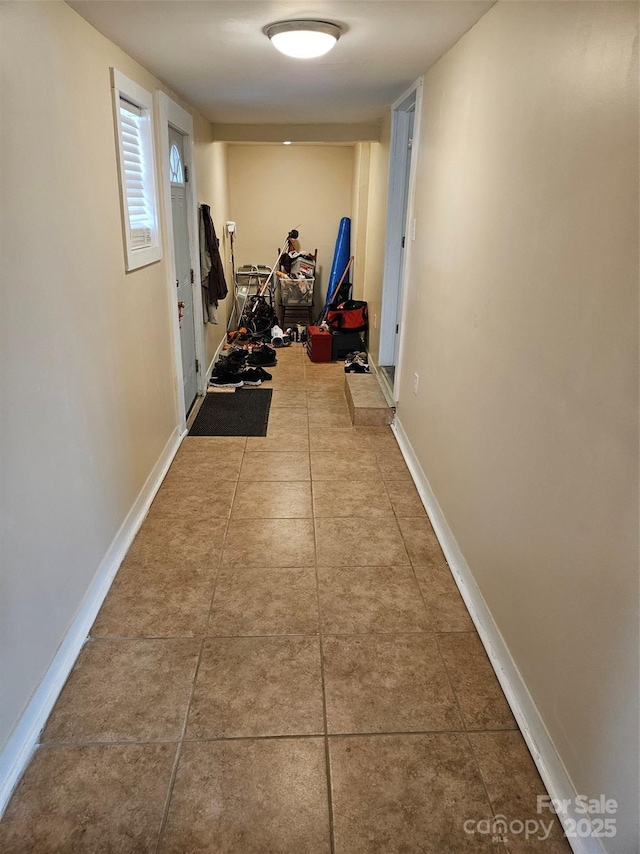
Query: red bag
{"type": "Point", "coordinates": [351, 315]}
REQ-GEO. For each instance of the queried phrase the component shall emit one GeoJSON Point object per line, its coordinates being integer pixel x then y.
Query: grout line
{"type": "Point", "coordinates": [374, 632]}
{"type": "Point", "coordinates": [54, 745]}
{"type": "Point", "coordinates": [446, 669]}
{"type": "Point", "coordinates": [174, 772]}
{"type": "Point", "coordinates": [327, 757]}
{"type": "Point", "coordinates": [176, 761]}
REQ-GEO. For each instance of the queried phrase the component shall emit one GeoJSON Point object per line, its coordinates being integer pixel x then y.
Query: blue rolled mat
{"type": "Point", "coordinates": [341, 256]}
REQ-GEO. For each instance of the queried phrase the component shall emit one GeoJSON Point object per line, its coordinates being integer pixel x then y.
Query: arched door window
{"type": "Point", "coordinates": [175, 166]}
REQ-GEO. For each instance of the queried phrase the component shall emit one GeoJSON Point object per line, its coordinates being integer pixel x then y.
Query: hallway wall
{"type": "Point", "coordinates": [87, 369]}
{"type": "Point", "coordinates": [213, 190]}
{"type": "Point", "coordinates": [371, 268]}
{"type": "Point", "coordinates": [523, 329]}
{"type": "Point", "coordinates": [274, 188]}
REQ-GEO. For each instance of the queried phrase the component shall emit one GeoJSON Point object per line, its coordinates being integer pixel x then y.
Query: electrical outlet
{"type": "Point", "coordinates": [415, 383]}
{"type": "Point", "coordinates": [375, 321]}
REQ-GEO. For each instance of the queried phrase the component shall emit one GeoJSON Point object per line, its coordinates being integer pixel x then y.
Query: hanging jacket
{"type": "Point", "coordinates": [214, 281]}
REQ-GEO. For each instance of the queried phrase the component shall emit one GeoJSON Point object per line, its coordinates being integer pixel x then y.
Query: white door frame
{"type": "Point", "coordinates": [396, 266]}
{"type": "Point", "coordinates": [173, 114]}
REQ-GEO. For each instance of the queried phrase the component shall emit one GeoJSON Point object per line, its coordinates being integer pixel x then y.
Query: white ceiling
{"type": "Point", "coordinates": [214, 55]}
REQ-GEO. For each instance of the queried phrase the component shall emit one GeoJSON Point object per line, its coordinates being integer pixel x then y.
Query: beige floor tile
{"type": "Point", "coordinates": [359, 542]}
{"type": "Point", "coordinates": [408, 793]}
{"type": "Point", "coordinates": [288, 399]}
{"type": "Point", "coordinates": [98, 798]}
{"type": "Point", "coordinates": [536, 843]}
{"type": "Point", "coordinates": [255, 796]}
{"type": "Point", "coordinates": [344, 465]}
{"type": "Point", "coordinates": [265, 601]}
{"type": "Point", "coordinates": [209, 445]}
{"type": "Point", "coordinates": [329, 418]}
{"type": "Point", "coordinates": [365, 499]}
{"type": "Point", "coordinates": [421, 541]}
{"type": "Point", "coordinates": [445, 606]}
{"type": "Point", "coordinates": [257, 687]}
{"type": "Point", "coordinates": [280, 440]}
{"type": "Point", "coordinates": [126, 690]}
{"type": "Point", "coordinates": [275, 466]}
{"type": "Point", "coordinates": [184, 503]}
{"type": "Point", "coordinates": [370, 599]}
{"type": "Point", "coordinates": [178, 545]}
{"type": "Point", "coordinates": [272, 500]}
{"type": "Point", "coordinates": [269, 542]}
{"type": "Point", "coordinates": [157, 601]}
{"type": "Point", "coordinates": [404, 498]}
{"type": "Point", "coordinates": [320, 396]}
{"type": "Point", "coordinates": [331, 402]}
{"type": "Point", "coordinates": [482, 702]}
{"type": "Point", "coordinates": [381, 439]}
{"type": "Point", "coordinates": [330, 440]}
{"type": "Point", "coordinates": [288, 418]}
{"type": "Point", "coordinates": [514, 785]}
{"type": "Point", "coordinates": [387, 683]}
{"type": "Point", "coordinates": [202, 468]}
{"type": "Point", "coordinates": [284, 384]}
{"type": "Point", "coordinates": [393, 468]}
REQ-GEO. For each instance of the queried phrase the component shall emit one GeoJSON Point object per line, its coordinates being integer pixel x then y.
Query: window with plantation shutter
{"type": "Point", "coordinates": [134, 121]}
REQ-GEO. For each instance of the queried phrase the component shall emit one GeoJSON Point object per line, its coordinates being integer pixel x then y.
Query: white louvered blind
{"type": "Point", "coordinates": [137, 180]}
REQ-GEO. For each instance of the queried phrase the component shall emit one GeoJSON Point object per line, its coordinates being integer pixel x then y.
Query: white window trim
{"type": "Point", "coordinates": [124, 88]}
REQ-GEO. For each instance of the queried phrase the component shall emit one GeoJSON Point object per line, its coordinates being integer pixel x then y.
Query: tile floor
{"type": "Point", "coordinates": [283, 665]}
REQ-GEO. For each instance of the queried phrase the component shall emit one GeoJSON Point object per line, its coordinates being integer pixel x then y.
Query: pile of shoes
{"type": "Point", "coordinates": [357, 363]}
{"type": "Point", "coordinates": [240, 367]}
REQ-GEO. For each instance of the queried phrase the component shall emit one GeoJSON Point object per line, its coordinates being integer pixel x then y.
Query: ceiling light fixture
{"type": "Point", "coordinates": [303, 39]}
{"type": "Point", "coordinates": [287, 142]}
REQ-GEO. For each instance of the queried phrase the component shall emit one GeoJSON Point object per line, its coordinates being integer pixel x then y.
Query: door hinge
{"type": "Point", "coordinates": [197, 367]}
{"type": "Point", "coordinates": [403, 241]}
{"type": "Point", "coordinates": [410, 144]}
{"type": "Point", "coordinates": [397, 328]}
{"type": "Point", "coordinates": [192, 279]}
{"type": "Point", "coordinates": [186, 174]}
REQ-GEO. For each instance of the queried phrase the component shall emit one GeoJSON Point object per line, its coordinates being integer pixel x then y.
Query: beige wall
{"type": "Point", "coordinates": [360, 216]}
{"type": "Point", "coordinates": [213, 190]}
{"type": "Point", "coordinates": [523, 328]}
{"type": "Point", "coordinates": [351, 133]}
{"type": "Point", "coordinates": [274, 188]}
{"type": "Point", "coordinates": [87, 367]}
{"type": "Point", "coordinates": [376, 221]}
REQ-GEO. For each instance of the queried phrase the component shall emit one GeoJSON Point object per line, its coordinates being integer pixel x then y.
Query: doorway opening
{"type": "Point", "coordinates": [400, 232]}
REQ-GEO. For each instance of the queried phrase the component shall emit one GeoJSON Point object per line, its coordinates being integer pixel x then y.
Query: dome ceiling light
{"type": "Point", "coordinates": [303, 39]}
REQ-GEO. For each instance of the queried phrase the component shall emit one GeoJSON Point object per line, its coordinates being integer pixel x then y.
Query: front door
{"type": "Point", "coordinates": [183, 267]}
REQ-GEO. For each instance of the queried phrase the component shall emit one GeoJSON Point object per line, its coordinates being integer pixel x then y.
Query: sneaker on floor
{"type": "Point", "coordinates": [264, 375]}
{"type": "Point", "coordinates": [264, 357]}
{"type": "Point", "coordinates": [226, 379]}
{"type": "Point", "coordinates": [357, 367]}
{"type": "Point", "coordinates": [235, 358]}
{"type": "Point", "coordinates": [251, 376]}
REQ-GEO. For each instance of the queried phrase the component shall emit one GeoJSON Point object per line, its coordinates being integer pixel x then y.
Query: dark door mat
{"type": "Point", "coordinates": [242, 413]}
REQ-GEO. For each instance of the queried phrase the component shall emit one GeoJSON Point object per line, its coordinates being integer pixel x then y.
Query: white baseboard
{"type": "Point", "coordinates": [552, 770]}
{"type": "Point", "coordinates": [21, 744]}
{"type": "Point", "coordinates": [216, 355]}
